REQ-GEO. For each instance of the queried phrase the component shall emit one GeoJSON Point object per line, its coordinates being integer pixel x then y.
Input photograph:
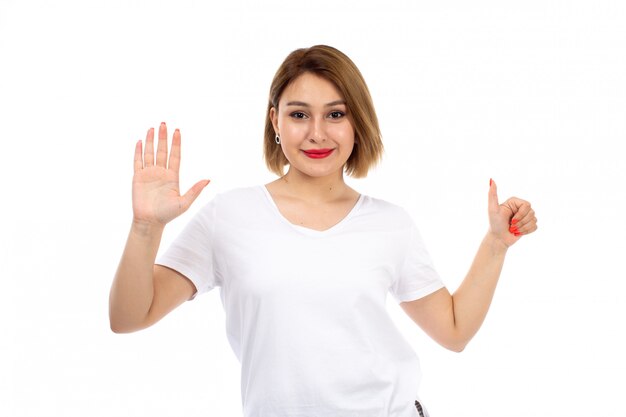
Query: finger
{"type": "Point", "coordinates": [528, 223]}
{"type": "Point", "coordinates": [161, 155]}
{"type": "Point", "coordinates": [493, 196]}
{"type": "Point", "coordinates": [519, 207]}
{"type": "Point", "coordinates": [524, 219]}
{"type": "Point", "coordinates": [148, 156]}
{"type": "Point", "coordinates": [193, 193]}
{"type": "Point", "coordinates": [528, 228]}
{"type": "Point", "coordinates": [138, 158]}
{"type": "Point", "coordinates": [174, 163]}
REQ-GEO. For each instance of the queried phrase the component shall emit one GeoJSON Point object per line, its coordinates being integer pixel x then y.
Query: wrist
{"type": "Point", "coordinates": [495, 244]}
{"type": "Point", "coordinates": [147, 229]}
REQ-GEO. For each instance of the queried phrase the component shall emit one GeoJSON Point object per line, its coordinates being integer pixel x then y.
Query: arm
{"type": "Point", "coordinates": [452, 320]}
{"type": "Point", "coordinates": [142, 293]}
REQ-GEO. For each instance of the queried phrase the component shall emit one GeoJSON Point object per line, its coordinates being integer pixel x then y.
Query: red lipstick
{"type": "Point", "coordinates": [318, 153]}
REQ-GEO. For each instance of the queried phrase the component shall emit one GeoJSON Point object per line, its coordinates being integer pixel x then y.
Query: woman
{"type": "Point", "coordinates": [305, 262]}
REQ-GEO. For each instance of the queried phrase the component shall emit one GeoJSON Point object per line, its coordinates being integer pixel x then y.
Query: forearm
{"type": "Point", "coordinates": [132, 290]}
{"type": "Point", "coordinates": [452, 320]}
{"type": "Point", "coordinates": [472, 299]}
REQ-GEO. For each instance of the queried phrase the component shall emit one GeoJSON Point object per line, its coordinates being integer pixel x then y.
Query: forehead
{"type": "Point", "coordinates": [311, 88]}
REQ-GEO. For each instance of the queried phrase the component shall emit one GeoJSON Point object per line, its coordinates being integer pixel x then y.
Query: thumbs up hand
{"type": "Point", "coordinates": [511, 220]}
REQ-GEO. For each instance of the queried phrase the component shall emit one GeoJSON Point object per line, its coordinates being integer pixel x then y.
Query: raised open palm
{"type": "Point", "coordinates": [156, 192]}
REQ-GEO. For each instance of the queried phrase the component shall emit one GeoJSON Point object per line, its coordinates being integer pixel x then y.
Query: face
{"type": "Point", "coordinates": [316, 134]}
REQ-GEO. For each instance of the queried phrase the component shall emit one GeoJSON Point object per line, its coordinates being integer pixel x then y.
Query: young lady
{"type": "Point", "coordinates": [305, 262]}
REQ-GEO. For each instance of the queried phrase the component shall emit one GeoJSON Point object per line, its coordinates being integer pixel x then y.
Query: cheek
{"type": "Point", "coordinates": [344, 133]}
{"type": "Point", "coordinates": [291, 130]}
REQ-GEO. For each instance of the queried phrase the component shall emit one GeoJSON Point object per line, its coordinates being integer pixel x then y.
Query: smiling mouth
{"type": "Point", "coordinates": [318, 153]}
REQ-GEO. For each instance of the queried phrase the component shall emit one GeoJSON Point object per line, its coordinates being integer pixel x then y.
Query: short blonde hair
{"type": "Point", "coordinates": [334, 66]}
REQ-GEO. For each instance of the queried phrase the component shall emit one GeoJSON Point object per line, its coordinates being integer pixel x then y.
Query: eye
{"type": "Point", "coordinates": [336, 114]}
{"type": "Point", "coordinates": [298, 115]}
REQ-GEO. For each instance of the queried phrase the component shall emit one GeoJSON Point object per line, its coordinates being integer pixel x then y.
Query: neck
{"type": "Point", "coordinates": [315, 189]}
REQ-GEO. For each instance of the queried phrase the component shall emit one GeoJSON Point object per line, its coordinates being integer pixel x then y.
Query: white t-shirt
{"type": "Point", "coordinates": [305, 309]}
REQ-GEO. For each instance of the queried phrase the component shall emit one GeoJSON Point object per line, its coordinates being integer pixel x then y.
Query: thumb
{"type": "Point", "coordinates": [493, 196]}
{"type": "Point", "coordinates": [193, 193]}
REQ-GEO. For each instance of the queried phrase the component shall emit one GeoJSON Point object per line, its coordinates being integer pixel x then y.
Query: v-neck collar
{"type": "Point", "coordinates": [306, 230]}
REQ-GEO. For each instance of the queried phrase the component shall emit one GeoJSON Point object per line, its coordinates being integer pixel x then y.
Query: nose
{"type": "Point", "coordinates": [318, 132]}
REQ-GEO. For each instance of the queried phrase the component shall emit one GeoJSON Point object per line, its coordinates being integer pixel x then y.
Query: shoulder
{"type": "Point", "coordinates": [239, 195]}
{"type": "Point", "coordinates": [253, 191]}
{"type": "Point", "coordinates": [384, 207]}
{"type": "Point", "coordinates": [238, 205]}
{"type": "Point", "coordinates": [385, 212]}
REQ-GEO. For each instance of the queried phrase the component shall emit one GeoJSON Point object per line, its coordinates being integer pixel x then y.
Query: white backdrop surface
{"type": "Point", "coordinates": [532, 94]}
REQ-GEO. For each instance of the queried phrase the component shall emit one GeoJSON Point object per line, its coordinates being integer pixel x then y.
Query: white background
{"type": "Point", "coordinates": [532, 94]}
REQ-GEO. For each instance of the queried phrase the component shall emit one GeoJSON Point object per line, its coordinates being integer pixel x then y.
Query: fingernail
{"type": "Point", "coordinates": [513, 229]}
{"type": "Point", "coordinates": [514, 221]}
{"type": "Point", "coordinates": [490, 182]}
{"type": "Point", "coordinates": [162, 123]}
{"type": "Point", "coordinates": [517, 234]}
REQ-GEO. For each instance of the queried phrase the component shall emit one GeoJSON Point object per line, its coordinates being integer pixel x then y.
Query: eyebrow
{"type": "Point", "coordinates": [303, 104]}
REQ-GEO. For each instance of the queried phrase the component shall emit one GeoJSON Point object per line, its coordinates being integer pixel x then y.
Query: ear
{"type": "Point", "coordinates": [274, 119]}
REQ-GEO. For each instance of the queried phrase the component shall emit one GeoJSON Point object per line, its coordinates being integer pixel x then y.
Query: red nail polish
{"type": "Point", "coordinates": [517, 234]}
{"type": "Point", "coordinates": [514, 221]}
{"type": "Point", "coordinates": [490, 182]}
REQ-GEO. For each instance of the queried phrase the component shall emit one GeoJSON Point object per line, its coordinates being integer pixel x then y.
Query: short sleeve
{"type": "Point", "coordinates": [191, 252]}
{"type": "Point", "coordinates": [417, 277]}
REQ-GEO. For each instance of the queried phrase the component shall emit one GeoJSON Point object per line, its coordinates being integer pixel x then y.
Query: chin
{"type": "Point", "coordinates": [318, 172]}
